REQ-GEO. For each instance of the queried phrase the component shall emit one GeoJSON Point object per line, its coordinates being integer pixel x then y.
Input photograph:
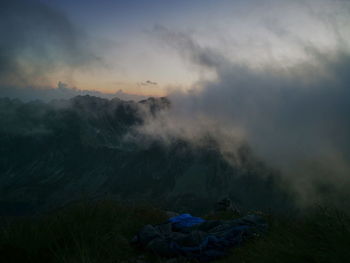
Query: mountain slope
{"type": "Point", "coordinates": [54, 153]}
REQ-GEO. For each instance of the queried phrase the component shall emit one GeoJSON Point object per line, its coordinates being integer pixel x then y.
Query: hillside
{"type": "Point", "coordinates": [101, 232]}
{"type": "Point", "coordinates": [88, 147]}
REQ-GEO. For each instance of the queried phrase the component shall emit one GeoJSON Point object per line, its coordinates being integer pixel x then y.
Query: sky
{"type": "Point", "coordinates": [270, 73]}
{"type": "Point", "coordinates": [113, 45]}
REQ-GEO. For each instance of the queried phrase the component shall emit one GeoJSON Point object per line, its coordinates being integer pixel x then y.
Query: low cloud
{"type": "Point", "coordinates": [294, 117]}
{"type": "Point", "coordinates": [62, 91]}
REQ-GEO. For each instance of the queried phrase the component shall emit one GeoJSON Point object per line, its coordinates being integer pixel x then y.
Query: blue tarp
{"type": "Point", "coordinates": [196, 238]}
{"type": "Point", "coordinates": [185, 220]}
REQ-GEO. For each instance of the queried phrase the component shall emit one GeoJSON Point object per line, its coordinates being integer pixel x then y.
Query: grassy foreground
{"type": "Point", "coordinates": [100, 232]}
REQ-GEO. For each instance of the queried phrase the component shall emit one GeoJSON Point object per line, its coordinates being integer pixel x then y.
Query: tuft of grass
{"type": "Point", "coordinates": [101, 232]}
{"type": "Point", "coordinates": [320, 235]}
{"type": "Point", "coordinates": [86, 233]}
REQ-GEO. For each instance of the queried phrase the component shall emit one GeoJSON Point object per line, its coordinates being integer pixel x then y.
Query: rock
{"type": "Point", "coordinates": [226, 205]}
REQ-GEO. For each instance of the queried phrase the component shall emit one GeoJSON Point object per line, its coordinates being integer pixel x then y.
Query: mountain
{"type": "Point", "coordinates": [54, 153]}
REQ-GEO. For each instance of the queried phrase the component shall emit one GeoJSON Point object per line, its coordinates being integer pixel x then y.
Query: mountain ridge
{"type": "Point", "coordinates": [55, 153]}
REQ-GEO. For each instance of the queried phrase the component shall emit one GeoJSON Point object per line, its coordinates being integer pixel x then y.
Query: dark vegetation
{"type": "Point", "coordinates": [53, 154]}
{"type": "Point", "coordinates": [101, 232]}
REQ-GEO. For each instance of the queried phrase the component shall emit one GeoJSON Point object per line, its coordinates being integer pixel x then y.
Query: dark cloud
{"type": "Point", "coordinates": [149, 83]}
{"type": "Point", "coordinates": [36, 40]}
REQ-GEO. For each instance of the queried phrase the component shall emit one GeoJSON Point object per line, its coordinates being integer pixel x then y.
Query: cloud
{"type": "Point", "coordinates": [149, 83]}
{"type": "Point", "coordinates": [37, 40]}
{"type": "Point", "coordinates": [294, 117]}
{"type": "Point", "coordinates": [62, 91]}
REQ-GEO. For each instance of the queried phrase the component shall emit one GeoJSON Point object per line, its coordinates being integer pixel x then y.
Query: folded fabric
{"type": "Point", "coordinates": [196, 238]}
{"type": "Point", "coordinates": [185, 220]}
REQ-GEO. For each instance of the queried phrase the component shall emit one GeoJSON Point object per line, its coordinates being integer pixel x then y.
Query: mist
{"type": "Point", "coordinates": [294, 116]}
{"type": "Point", "coordinates": [292, 111]}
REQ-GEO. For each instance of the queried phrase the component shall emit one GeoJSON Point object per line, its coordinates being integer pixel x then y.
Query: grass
{"type": "Point", "coordinates": [322, 235]}
{"type": "Point", "coordinates": [98, 232]}
{"type": "Point", "coordinates": [101, 232]}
